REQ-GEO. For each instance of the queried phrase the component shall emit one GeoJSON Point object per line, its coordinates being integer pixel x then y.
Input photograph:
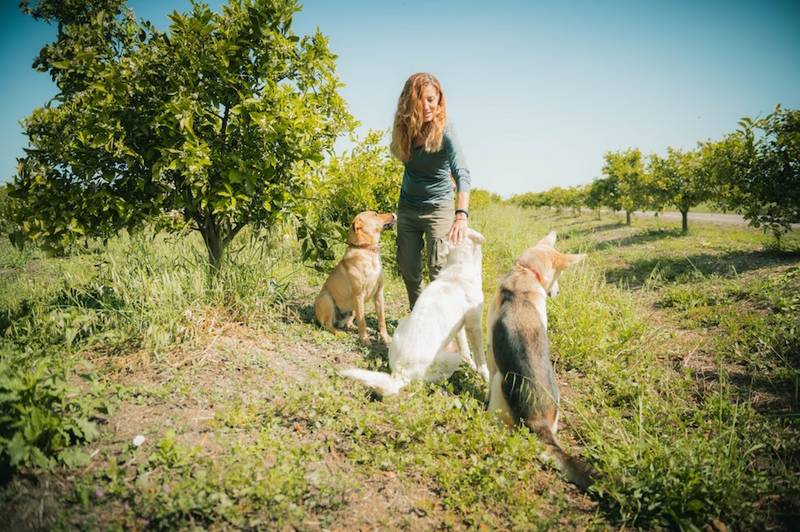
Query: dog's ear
{"type": "Point", "coordinates": [549, 240]}
{"type": "Point", "coordinates": [475, 236]}
{"type": "Point", "coordinates": [356, 235]}
{"type": "Point", "coordinates": [563, 261]}
{"type": "Point", "coordinates": [357, 222]}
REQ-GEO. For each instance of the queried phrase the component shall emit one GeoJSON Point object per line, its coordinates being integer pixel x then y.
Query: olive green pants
{"type": "Point", "coordinates": [414, 223]}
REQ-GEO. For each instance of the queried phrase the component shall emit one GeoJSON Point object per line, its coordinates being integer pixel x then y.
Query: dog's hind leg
{"type": "Point", "coordinates": [381, 317]}
{"type": "Point", "coordinates": [463, 348]}
{"type": "Point", "coordinates": [361, 320]}
{"type": "Point", "coordinates": [472, 326]}
{"type": "Point", "coordinates": [444, 364]}
{"type": "Point", "coordinates": [325, 311]}
{"type": "Point", "coordinates": [497, 400]}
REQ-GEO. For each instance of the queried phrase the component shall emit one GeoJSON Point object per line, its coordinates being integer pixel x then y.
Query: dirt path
{"type": "Point", "coordinates": [713, 217]}
{"type": "Point", "coordinates": [188, 392]}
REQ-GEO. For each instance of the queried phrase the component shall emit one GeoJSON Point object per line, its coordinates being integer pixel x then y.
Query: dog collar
{"type": "Point", "coordinates": [369, 247]}
{"type": "Point", "coordinates": [534, 272]}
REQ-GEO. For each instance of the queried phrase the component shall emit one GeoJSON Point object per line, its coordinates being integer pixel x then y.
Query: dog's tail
{"type": "Point", "coordinates": [383, 383]}
{"type": "Point", "coordinates": [574, 468]}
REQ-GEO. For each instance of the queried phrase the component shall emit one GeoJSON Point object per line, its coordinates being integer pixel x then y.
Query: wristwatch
{"type": "Point", "coordinates": [466, 213]}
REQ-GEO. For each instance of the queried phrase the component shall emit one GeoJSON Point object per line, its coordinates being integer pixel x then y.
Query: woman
{"type": "Point", "coordinates": [426, 144]}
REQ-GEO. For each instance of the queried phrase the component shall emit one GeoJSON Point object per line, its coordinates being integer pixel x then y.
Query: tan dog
{"type": "Point", "coordinates": [358, 277]}
{"type": "Point", "coordinates": [522, 386]}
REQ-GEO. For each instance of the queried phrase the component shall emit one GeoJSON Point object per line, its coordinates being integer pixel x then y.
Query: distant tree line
{"type": "Point", "coordinates": [754, 171]}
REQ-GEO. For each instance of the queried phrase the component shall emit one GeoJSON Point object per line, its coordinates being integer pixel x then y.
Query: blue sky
{"type": "Point", "coordinates": [538, 91]}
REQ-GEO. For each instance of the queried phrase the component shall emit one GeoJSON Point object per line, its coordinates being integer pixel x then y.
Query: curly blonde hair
{"type": "Point", "coordinates": [408, 120]}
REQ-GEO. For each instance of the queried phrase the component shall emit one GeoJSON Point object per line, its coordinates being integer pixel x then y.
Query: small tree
{"type": "Point", "coordinates": [209, 121]}
{"type": "Point", "coordinates": [679, 180]}
{"type": "Point", "coordinates": [603, 192]}
{"type": "Point", "coordinates": [480, 198]}
{"type": "Point", "coordinates": [626, 171]}
{"type": "Point", "coordinates": [528, 199]}
{"type": "Point", "coordinates": [759, 170]}
{"type": "Point", "coordinates": [556, 197]}
{"type": "Point", "coordinates": [365, 178]}
{"type": "Point", "coordinates": [577, 197]}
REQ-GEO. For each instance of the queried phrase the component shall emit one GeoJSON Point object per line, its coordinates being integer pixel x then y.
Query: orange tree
{"type": "Point", "coordinates": [530, 199]}
{"type": "Point", "coordinates": [758, 170]}
{"type": "Point", "coordinates": [603, 192]}
{"type": "Point", "coordinates": [209, 121]}
{"type": "Point", "coordinates": [366, 177]}
{"type": "Point", "coordinates": [679, 179]}
{"type": "Point", "coordinates": [625, 181]}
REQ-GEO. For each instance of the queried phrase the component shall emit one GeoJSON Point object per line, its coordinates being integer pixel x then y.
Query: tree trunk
{"type": "Point", "coordinates": [627, 217]}
{"type": "Point", "coordinates": [217, 237]}
{"type": "Point", "coordinates": [214, 245]}
{"type": "Point", "coordinates": [685, 221]}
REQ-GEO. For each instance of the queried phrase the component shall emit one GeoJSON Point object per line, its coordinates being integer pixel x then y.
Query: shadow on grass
{"type": "Point", "coordinates": [465, 381]}
{"type": "Point", "coordinates": [598, 228]}
{"type": "Point", "coordinates": [305, 313]}
{"type": "Point", "coordinates": [95, 297]}
{"type": "Point", "coordinates": [9, 316]}
{"type": "Point", "coordinates": [376, 351]}
{"type": "Point", "coordinates": [673, 269]}
{"type": "Point", "coordinates": [634, 240]}
{"type": "Point", "coordinates": [575, 221]}
{"type": "Point", "coordinates": [769, 395]}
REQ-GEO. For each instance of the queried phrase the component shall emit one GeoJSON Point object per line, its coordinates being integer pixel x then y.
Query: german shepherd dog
{"type": "Point", "coordinates": [522, 385]}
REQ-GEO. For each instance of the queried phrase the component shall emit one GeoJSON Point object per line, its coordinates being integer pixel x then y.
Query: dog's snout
{"type": "Point", "coordinates": [392, 221]}
{"type": "Point", "coordinates": [553, 292]}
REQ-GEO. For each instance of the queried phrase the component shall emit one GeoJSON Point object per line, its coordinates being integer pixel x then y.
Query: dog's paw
{"type": "Point", "coordinates": [365, 340]}
{"type": "Point", "coordinates": [484, 371]}
{"type": "Point", "coordinates": [387, 340]}
{"type": "Point", "coordinates": [470, 362]}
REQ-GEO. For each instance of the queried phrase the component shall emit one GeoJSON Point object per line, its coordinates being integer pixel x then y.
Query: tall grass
{"type": "Point", "coordinates": [144, 292]}
{"type": "Point", "coordinates": [666, 455]}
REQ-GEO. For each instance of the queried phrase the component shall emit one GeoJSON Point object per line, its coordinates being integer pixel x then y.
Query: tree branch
{"type": "Point", "coordinates": [235, 231]}
{"type": "Point", "coordinates": [224, 127]}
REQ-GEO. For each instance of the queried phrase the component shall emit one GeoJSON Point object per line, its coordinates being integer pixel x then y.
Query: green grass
{"type": "Point", "coordinates": [677, 355]}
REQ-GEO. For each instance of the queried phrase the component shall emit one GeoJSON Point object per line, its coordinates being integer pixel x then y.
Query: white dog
{"type": "Point", "coordinates": [449, 307]}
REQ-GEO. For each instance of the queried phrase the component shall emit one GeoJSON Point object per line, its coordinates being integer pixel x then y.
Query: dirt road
{"type": "Point", "coordinates": [714, 217]}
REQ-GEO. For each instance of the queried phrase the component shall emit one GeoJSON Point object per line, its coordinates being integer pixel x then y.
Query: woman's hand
{"type": "Point", "coordinates": [458, 229]}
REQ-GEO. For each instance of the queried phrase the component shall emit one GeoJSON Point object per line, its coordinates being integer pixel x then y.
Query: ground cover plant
{"type": "Point", "coordinates": [677, 356]}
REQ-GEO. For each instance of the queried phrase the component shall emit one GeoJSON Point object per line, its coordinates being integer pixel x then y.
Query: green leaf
{"type": "Point", "coordinates": [87, 428]}
{"type": "Point", "coordinates": [18, 449]}
{"type": "Point", "coordinates": [695, 506]}
{"type": "Point", "coordinates": [74, 457]}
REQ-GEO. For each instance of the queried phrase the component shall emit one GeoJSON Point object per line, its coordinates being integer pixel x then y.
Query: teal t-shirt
{"type": "Point", "coordinates": [426, 180]}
